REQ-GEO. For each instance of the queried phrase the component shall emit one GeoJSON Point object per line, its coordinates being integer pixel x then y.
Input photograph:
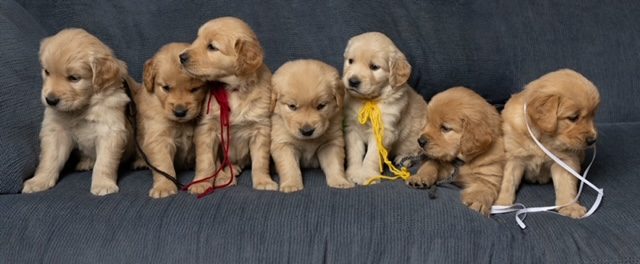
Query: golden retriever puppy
{"type": "Point", "coordinates": [374, 69]}
{"type": "Point", "coordinates": [463, 140]}
{"type": "Point", "coordinates": [227, 51]}
{"type": "Point", "coordinates": [168, 108]}
{"type": "Point", "coordinates": [306, 125]}
{"type": "Point", "coordinates": [83, 91]}
{"type": "Point", "coordinates": [561, 108]}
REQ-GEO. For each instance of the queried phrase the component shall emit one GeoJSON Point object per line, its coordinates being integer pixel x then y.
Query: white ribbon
{"type": "Point", "coordinates": [521, 210]}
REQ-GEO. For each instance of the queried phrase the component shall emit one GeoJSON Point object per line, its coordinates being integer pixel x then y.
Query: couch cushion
{"type": "Point", "coordinates": [387, 222]}
{"type": "Point", "coordinates": [20, 107]}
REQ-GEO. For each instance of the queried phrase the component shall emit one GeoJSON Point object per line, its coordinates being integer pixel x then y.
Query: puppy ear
{"type": "Point", "coordinates": [107, 71]}
{"type": "Point", "coordinates": [274, 96]}
{"type": "Point", "coordinates": [478, 132]}
{"type": "Point", "coordinates": [543, 112]}
{"type": "Point", "coordinates": [338, 91]}
{"type": "Point", "coordinates": [149, 75]}
{"type": "Point", "coordinates": [399, 70]}
{"type": "Point", "coordinates": [250, 56]}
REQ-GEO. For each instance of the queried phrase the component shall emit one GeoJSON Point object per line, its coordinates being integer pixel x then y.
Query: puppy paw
{"type": "Point", "coordinates": [361, 176]}
{"type": "Point", "coordinates": [85, 164]}
{"type": "Point", "coordinates": [340, 183]}
{"type": "Point", "coordinates": [265, 185]}
{"type": "Point", "coordinates": [421, 181]}
{"type": "Point", "coordinates": [406, 161]}
{"type": "Point", "coordinates": [139, 164]}
{"type": "Point", "coordinates": [199, 188]}
{"type": "Point", "coordinates": [37, 184]}
{"type": "Point", "coordinates": [289, 187]}
{"type": "Point", "coordinates": [478, 201]}
{"type": "Point", "coordinates": [103, 189]}
{"type": "Point", "coordinates": [162, 190]}
{"type": "Point", "coordinates": [479, 207]}
{"type": "Point", "coordinates": [573, 210]}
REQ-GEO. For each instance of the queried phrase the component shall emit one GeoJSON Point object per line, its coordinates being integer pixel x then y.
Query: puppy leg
{"type": "Point", "coordinates": [85, 164]}
{"type": "Point", "coordinates": [109, 150]}
{"type": "Point", "coordinates": [287, 161]}
{"type": "Point", "coordinates": [259, 150]}
{"type": "Point", "coordinates": [224, 178]}
{"type": "Point", "coordinates": [331, 158]}
{"type": "Point", "coordinates": [480, 194]}
{"type": "Point", "coordinates": [426, 176]}
{"type": "Point", "coordinates": [207, 143]}
{"type": "Point", "coordinates": [56, 145]}
{"type": "Point", "coordinates": [513, 173]}
{"type": "Point", "coordinates": [355, 153]}
{"type": "Point", "coordinates": [370, 164]}
{"type": "Point", "coordinates": [566, 186]}
{"type": "Point", "coordinates": [161, 152]}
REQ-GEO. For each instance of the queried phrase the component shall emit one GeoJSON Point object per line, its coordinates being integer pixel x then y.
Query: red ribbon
{"type": "Point", "coordinates": [219, 92]}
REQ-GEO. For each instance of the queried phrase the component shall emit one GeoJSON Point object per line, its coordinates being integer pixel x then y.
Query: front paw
{"type": "Point", "coordinates": [361, 176]}
{"type": "Point", "coordinates": [102, 189]}
{"type": "Point", "coordinates": [139, 164]}
{"type": "Point", "coordinates": [478, 202]}
{"type": "Point", "coordinates": [340, 183]}
{"type": "Point", "coordinates": [288, 187]}
{"type": "Point", "coordinates": [85, 164]}
{"type": "Point", "coordinates": [199, 188]}
{"type": "Point", "coordinates": [421, 181]}
{"type": "Point", "coordinates": [38, 184]}
{"type": "Point", "coordinates": [573, 210]}
{"type": "Point", "coordinates": [264, 183]}
{"type": "Point", "coordinates": [163, 189]}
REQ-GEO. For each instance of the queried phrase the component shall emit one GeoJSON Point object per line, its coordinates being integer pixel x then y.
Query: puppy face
{"type": "Point", "coordinates": [225, 47]}
{"type": "Point", "coordinates": [307, 94]}
{"type": "Point", "coordinates": [373, 64]}
{"type": "Point", "coordinates": [75, 66]}
{"type": "Point", "coordinates": [460, 124]}
{"type": "Point", "coordinates": [180, 94]}
{"type": "Point", "coordinates": [562, 105]}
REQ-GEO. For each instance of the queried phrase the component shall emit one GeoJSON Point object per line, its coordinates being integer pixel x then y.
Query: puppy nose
{"type": "Point", "coordinates": [307, 130]}
{"type": "Point", "coordinates": [180, 111]}
{"type": "Point", "coordinates": [354, 82]}
{"type": "Point", "coordinates": [591, 140]}
{"type": "Point", "coordinates": [52, 100]}
{"type": "Point", "coordinates": [422, 141]}
{"type": "Point", "coordinates": [184, 58]}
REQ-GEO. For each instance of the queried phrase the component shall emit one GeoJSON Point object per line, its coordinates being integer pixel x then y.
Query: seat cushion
{"type": "Point", "coordinates": [387, 222]}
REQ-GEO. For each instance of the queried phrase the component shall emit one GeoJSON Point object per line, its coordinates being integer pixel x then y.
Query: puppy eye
{"type": "Point", "coordinates": [350, 61]}
{"type": "Point", "coordinates": [211, 47]}
{"type": "Point", "coordinates": [292, 107]}
{"type": "Point", "coordinates": [374, 67]}
{"type": "Point", "coordinates": [46, 73]}
{"type": "Point", "coordinates": [166, 88]}
{"type": "Point", "coordinates": [321, 106]}
{"type": "Point", "coordinates": [72, 78]}
{"type": "Point", "coordinates": [445, 129]}
{"type": "Point", "coordinates": [574, 118]}
{"type": "Point", "coordinates": [195, 90]}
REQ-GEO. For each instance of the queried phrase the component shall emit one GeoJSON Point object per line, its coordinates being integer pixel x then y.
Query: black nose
{"type": "Point", "coordinates": [180, 111]}
{"type": "Point", "coordinates": [184, 58]}
{"type": "Point", "coordinates": [422, 141]}
{"type": "Point", "coordinates": [354, 82]}
{"type": "Point", "coordinates": [307, 130]}
{"type": "Point", "coordinates": [590, 141]}
{"type": "Point", "coordinates": [52, 100]}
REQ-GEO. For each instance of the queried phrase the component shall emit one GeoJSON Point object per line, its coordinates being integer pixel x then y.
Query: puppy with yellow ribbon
{"type": "Point", "coordinates": [384, 116]}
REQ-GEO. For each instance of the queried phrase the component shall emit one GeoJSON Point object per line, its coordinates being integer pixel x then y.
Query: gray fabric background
{"type": "Point", "coordinates": [494, 47]}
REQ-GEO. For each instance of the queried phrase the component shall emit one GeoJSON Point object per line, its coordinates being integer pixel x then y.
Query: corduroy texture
{"type": "Point", "coordinates": [386, 223]}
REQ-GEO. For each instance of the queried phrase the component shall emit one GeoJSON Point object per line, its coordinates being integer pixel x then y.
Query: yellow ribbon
{"type": "Point", "coordinates": [371, 111]}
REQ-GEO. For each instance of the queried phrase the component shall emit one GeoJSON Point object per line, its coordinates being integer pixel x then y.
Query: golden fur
{"type": "Point", "coordinates": [306, 123]}
{"type": "Point", "coordinates": [228, 51]}
{"type": "Point", "coordinates": [83, 91]}
{"type": "Point", "coordinates": [462, 126]}
{"type": "Point", "coordinates": [561, 108]}
{"type": "Point", "coordinates": [165, 130]}
{"type": "Point", "coordinates": [382, 72]}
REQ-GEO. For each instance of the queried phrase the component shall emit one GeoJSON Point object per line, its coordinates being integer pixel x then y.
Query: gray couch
{"type": "Point", "coordinates": [494, 47]}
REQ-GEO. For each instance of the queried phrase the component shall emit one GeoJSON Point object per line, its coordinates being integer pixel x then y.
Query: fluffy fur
{"type": "Point", "coordinates": [561, 108]}
{"type": "Point", "coordinates": [463, 127]}
{"type": "Point", "coordinates": [307, 123]}
{"type": "Point", "coordinates": [374, 69]}
{"type": "Point", "coordinates": [168, 108]}
{"type": "Point", "coordinates": [228, 51]}
{"type": "Point", "coordinates": [85, 109]}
